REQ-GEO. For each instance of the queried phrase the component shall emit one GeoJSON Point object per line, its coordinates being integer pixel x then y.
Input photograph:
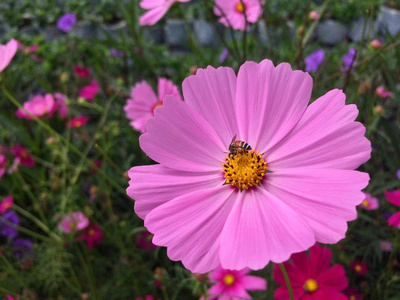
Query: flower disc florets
{"type": "Point", "coordinates": [244, 169]}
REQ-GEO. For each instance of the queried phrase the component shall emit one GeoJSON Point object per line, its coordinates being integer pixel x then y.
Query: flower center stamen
{"type": "Point", "coordinates": [157, 105]}
{"type": "Point", "coordinates": [240, 7]}
{"type": "Point", "coordinates": [244, 169]}
{"type": "Point", "coordinates": [365, 203]}
{"type": "Point", "coordinates": [229, 279]}
{"type": "Point", "coordinates": [310, 286]}
{"type": "Point", "coordinates": [358, 268]}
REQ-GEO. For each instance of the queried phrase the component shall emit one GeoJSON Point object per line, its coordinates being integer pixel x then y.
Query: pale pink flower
{"type": "Point", "coordinates": [140, 107]}
{"type": "Point", "coordinates": [381, 92]}
{"type": "Point", "coordinates": [7, 53]}
{"type": "Point", "coordinates": [61, 105]}
{"type": "Point", "coordinates": [370, 203]}
{"type": "Point", "coordinates": [3, 164]}
{"type": "Point", "coordinates": [313, 15]}
{"type": "Point", "coordinates": [74, 222]}
{"type": "Point", "coordinates": [6, 204]}
{"type": "Point", "coordinates": [247, 208]}
{"type": "Point", "coordinates": [376, 44]}
{"type": "Point", "coordinates": [90, 91]}
{"type": "Point", "coordinates": [78, 122]}
{"type": "Point", "coordinates": [234, 14]}
{"type": "Point", "coordinates": [156, 10]}
{"type": "Point", "coordinates": [14, 167]}
{"type": "Point", "coordinates": [38, 107]}
{"type": "Point", "coordinates": [233, 285]}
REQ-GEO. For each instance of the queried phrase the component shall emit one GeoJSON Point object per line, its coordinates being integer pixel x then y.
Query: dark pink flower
{"type": "Point", "coordinates": [381, 92]}
{"type": "Point", "coordinates": [7, 53]}
{"type": "Point", "coordinates": [78, 122]}
{"type": "Point", "coordinates": [3, 164]}
{"type": "Point", "coordinates": [24, 156]}
{"type": "Point", "coordinates": [156, 10]}
{"type": "Point", "coordinates": [311, 276]}
{"type": "Point", "coordinates": [6, 204]}
{"type": "Point", "coordinates": [38, 107]}
{"type": "Point", "coordinates": [359, 267]}
{"type": "Point", "coordinates": [93, 235]}
{"type": "Point", "coordinates": [81, 71]}
{"type": "Point", "coordinates": [353, 294]}
{"type": "Point", "coordinates": [90, 91]}
{"type": "Point", "coordinates": [394, 198]}
{"type": "Point", "coordinates": [143, 241]}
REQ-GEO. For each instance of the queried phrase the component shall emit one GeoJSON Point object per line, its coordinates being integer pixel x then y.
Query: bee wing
{"type": "Point", "coordinates": [234, 139]}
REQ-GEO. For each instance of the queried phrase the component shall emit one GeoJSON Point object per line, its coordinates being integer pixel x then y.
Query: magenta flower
{"type": "Point", "coordinates": [144, 101]}
{"type": "Point", "coordinates": [143, 241]}
{"type": "Point", "coordinates": [23, 155]}
{"type": "Point", "coordinates": [74, 222]}
{"type": "Point", "coordinates": [38, 107]}
{"type": "Point", "coordinates": [394, 198]}
{"type": "Point", "coordinates": [66, 22]}
{"type": "Point", "coordinates": [78, 122]}
{"type": "Point", "coordinates": [381, 92]}
{"type": "Point", "coordinates": [369, 203]}
{"type": "Point", "coordinates": [232, 284]}
{"type": "Point", "coordinates": [245, 208]}
{"type": "Point", "coordinates": [81, 71]}
{"type": "Point", "coordinates": [156, 10]}
{"type": "Point", "coordinates": [93, 235]}
{"type": "Point", "coordinates": [3, 164]}
{"type": "Point", "coordinates": [6, 204]}
{"type": "Point", "coordinates": [311, 276]}
{"type": "Point", "coordinates": [90, 91]}
{"type": "Point", "coordinates": [314, 60]}
{"type": "Point", "coordinates": [7, 53]}
{"type": "Point", "coordinates": [234, 13]}
{"type": "Point", "coordinates": [359, 267]}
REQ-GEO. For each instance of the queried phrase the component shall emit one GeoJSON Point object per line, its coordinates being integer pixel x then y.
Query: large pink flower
{"type": "Point", "coordinates": [156, 10]}
{"type": "Point", "coordinates": [311, 277]}
{"type": "Point", "coordinates": [234, 13]}
{"type": "Point", "coordinates": [7, 53]}
{"type": "Point", "coordinates": [232, 284]}
{"type": "Point", "coordinates": [38, 106]}
{"type": "Point", "coordinates": [144, 101]}
{"type": "Point", "coordinates": [246, 208]}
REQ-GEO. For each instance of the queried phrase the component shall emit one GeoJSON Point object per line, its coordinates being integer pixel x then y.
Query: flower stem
{"type": "Point", "coordinates": [287, 280]}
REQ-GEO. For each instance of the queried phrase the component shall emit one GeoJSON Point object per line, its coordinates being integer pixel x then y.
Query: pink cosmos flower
{"type": "Point", "coordinates": [313, 15]}
{"type": "Point", "coordinates": [394, 198]}
{"type": "Point", "coordinates": [61, 105]}
{"type": "Point", "coordinates": [231, 284]}
{"type": "Point", "coordinates": [381, 92]}
{"type": "Point", "coordinates": [297, 185]}
{"type": "Point", "coordinates": [370, 203]}
{"type": "Point", "coordinates": [3, 164]}
{"type": "Point", "coordinates": [24, 156]}
{"type": "Point", "coordinates": [81, 71]}
{"type": "Point", "coordinates": [6, 204]}
{"type": "Point", "coordinates": [144, 101]}
{"type": "Point", "coordinates": [7, 53]}
{"type": "Point", "coordinates": [38, 107]}
{"type": "Point", "coordinates": [386, 246]}
{"type": "Point", "coordinates": [234, 14]}
{"type": "Point", "coordinates": [74, 222]}
{"type": "Point", "coordinates": [78, 122]}
{"type": "Point", "coordinates": [9, 297]}
{"type": "Point", "coordinates": [93, 235]}
{"type": "Point", "coordinates": [90, 91]}
{"type": "Point", "coordinates": [376, 44]}
{"type": "Point", "coordinates": [156, 10]}
{"type": "Point", "coordinates": [359, 267]}
{"type": "Point", "coordinates": [311, 276]}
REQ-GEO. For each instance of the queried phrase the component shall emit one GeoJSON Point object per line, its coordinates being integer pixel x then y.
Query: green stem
{"type": "Point", "coordinates": [287, 280]}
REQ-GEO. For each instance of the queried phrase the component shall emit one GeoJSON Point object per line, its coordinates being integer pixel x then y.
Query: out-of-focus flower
{"type": "Point", "coordinates": [314, 60]}
{"type": "Point", "coordinates": [398, 174]}
{"type": "Point", "coordinates": [117, 53]}
{"type": "Point", "coordinates": [370, 203]}
{"type": "Point", "coordinates": [140, 107]}
{"type": "Point", "coordinates": [193, 70]}
{"type": "Point", "coordinates": [247, 208]}
{"type": "Point", "coordinates": [233, 284]}
{"type": "Point", "coordinates": [143, 241]}
{"type": "Point", "coordinates": [7, 53]}
{"type": "Point", "coordinates": [14, 166]}
{"type": "Point", "coordinates": [30, 51]}
{"type": "Point", "coordinates": [386, 246]}
{"type": "Point", "coordinates": [223, 56]}
{"type": "Point", "coordinates": [311, 276]}
{"type": "Point", "coordinates": [313, 15]}
{"type": "Point", "coordinates": [8, 230]}
{"type": "Point", "coordinates": [359, 267]}
{"type": "Point", "coordinates": [38, 107]}
{"type": "Point", "coordinates": [93, 235]}
{"type": "Point", "coordinates": [156, 10]}
{"type": "Point", "coordinates": [353, 294]}
{"type": "Point", "coordinates": [234, 13]}
{"type": "Point", "coordinates": [90, 91]}
{"type": "Point", "coordinates": [364, 87]}
{"type": "Point", "coordinates": [22, 248]}
{"type": "Point", "coordinates": [24, 156]}
{"type": "Point", "coordinates": [381, 92]}
{"type": "Point", "coordinates": [379, 110]}
{"type": "Point", "coordinates": [64, 77]}
{"type": "Point", "coordinates": [148, 297]}
{"type": "Point", "coordinates": [78, 122]}
{"type": "Point", "coordinates": [6, 204]}
{"type": "Point", "coordinates": [66, 22]}
{"type": "Point", "coordinates": [394, 198]}
{"type": "Point", "coordinates": [74, 222]}
{"type": "Point", "coordinates": [376, 44]}
{"type": "Point", "coordinates": [3, 164]}
{"type": "Point", "coordinates": [81, 71]}
{"type": "Point", "coordinates": [9, 297]}
{"type": "Point", "coordinates": [61, 105]}
{"type": "Point", "coordinates": [349, 60]}
{"type": "Point", "coordinates": [97, 165]}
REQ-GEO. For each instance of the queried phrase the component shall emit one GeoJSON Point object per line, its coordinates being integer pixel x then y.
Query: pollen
{"type": "Point", "coordinates": [244, 169]}
{"type": "Point", "coordinates": [365, 203]}
{"type": "Point", "coordinates": [240, 7]}
{"type": "Point", "coordinates": [229, 279]}
{"type": "Point", "coordinates": [310, 286]}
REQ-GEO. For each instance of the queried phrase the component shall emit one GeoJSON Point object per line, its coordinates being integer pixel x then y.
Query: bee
{"type": "Point", "coordinates": [238, 146]}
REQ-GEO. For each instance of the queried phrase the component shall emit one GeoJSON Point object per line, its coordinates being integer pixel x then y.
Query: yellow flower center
{"type": "Point", "coordinates": [244, 169]}
{"type": "Point", "coordinates": [157, 105]}
{"type": "Point", "coordinates": [71, 225]}
{"type": "Point", "coordinates": [7, 205]}
{"type": "Point", "coordinates": [352, 297]}
{"type": "Point", "coordinates": [310, 286]}
{"type": "Point", "coordinates": [229, 279]}
{"type": "Point", "coordinates": [365, 203]}
{"type": "Point", "coordinates": [358, 268]}
{"type": "Point", "coordinates": [91, 232]}
{"type": "Point", "coordinates": [78, 124]}
{"type": "Point", "coordinates": [240, 7]}
{"type": "Point", "coordinates": [24, 154]}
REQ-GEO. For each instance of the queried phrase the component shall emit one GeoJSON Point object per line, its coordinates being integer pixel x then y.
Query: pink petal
{"type": "Point", "coordinates": [325, 198]}
{"type": "Point", "coordinates": [254, 283]}
{"type": "Point", "coordinates": [167, 184]}
{"type": "Point", "coordinates": [143, 93]}
{"type": "Point", "coordinates": [320, 259]}
{"type": "Point", "coordinates": [279, 95]}
{"type": "Point", "coordinates": [325, 137]}
{"type": "Point", "coordinates": [167, 87]}
{"type": "Point", "coordinates": [236, 292]}
{"type": "Point", "coordinates": [394, 220]}
{"type": "Point", "coordinates": [261, 228]}
{"type": "Point", "coordinates": [138, 112]}
{"type": "Point", "coordinates": [153, 16]}
{"type": "Point", "coordinates": [180, 138]}
{"type": "Point", "coordinates": [393, 197]}
{"type": "Point", "coordinates": [325, 295]}
{"type": "Point", "coordinates": [7, 53]}
{"type": "Point", "coordinates": [190, 226]}
{"type": "Point", "coordinates": [218, 87]}
{"type": "Point", "coordinates": [333, 278]}
{"type": "Point", "coordinates": [149, 4]}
